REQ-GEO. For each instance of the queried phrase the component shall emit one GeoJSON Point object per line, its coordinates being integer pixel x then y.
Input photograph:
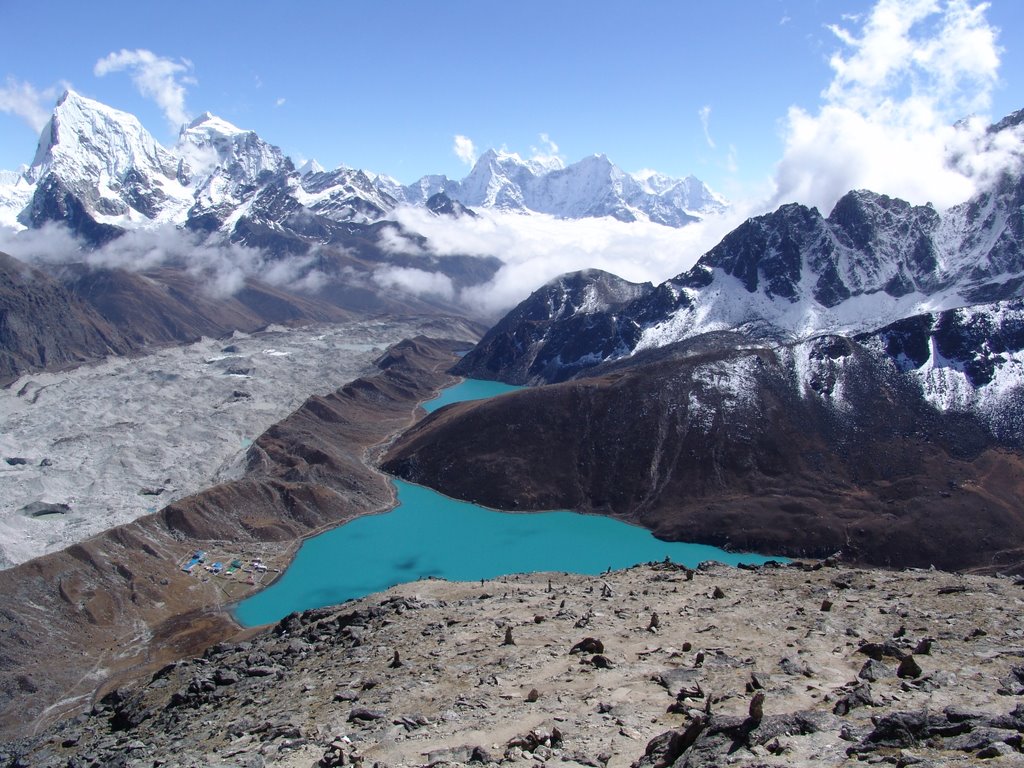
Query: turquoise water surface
{"type": "Point", "coordinates": [429, 534]}
{"type": "Point", "coordinates": [468, 389]}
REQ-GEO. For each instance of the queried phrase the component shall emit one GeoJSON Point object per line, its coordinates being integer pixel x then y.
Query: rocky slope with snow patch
{"type": "Point", "coordinates": [564, 327]}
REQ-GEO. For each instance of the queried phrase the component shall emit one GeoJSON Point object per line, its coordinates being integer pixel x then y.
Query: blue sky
{"type": "Point", "coordinates": [681, 87]}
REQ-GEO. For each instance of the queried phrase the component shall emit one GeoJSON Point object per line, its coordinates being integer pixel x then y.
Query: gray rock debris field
{"type": "Point", "coordinates": [795, 665]}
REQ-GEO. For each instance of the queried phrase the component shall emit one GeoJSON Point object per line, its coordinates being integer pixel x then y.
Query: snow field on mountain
{"type": "Point", "coordinates": [125, 437]}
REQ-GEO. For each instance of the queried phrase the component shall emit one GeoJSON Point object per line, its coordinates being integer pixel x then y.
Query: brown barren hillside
{"type": "Point", "coordinates": [720, 448]}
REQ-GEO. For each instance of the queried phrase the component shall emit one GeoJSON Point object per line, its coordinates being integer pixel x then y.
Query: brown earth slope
{"type": "Point", "coordinates": [71, 621]}
{"type": "Point", "coordinates": [43, 325]}
{"type": "Point", "coordinates": [722, 448]}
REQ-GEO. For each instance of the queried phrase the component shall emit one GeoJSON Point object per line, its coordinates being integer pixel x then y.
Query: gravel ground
{"type": "Point", "coordinates": [800, 665]}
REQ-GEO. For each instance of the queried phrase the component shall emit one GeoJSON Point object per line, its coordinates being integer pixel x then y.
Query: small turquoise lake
{"type": "Point", "coordinates": [468, 389]}
{"type": "Point", "coordinates": [431, 535]}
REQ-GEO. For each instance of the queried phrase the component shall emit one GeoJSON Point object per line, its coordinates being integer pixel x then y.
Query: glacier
{"type": "Point", "coordinates": [125, 437]}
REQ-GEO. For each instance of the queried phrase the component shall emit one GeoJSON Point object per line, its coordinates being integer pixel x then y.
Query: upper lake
{"type": "Point", "coordinates": [468, 389]}
{"type": "Point", "coordinates": [429, 534]}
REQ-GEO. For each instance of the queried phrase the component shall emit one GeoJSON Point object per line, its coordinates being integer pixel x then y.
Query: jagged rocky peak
{"type": "Point", "coordinates": [90, 139]}
{"type": "Point", "coordinates": [1010, 121]}
{"type": "Point", "coordinates": [344, 194]}
{"type": "Point", "coordinates": [765, 253]}
{"type": "Point", "coordinates": [442, 205]}
{"type": "Point", "coordinates": [688, 194]}
{"type": "Point", "coordinates": [512, 161]}
{"type": "Point", "coordinates": [592, 290]}
{"type": "Point", "coordinates": [894, 240]}
{"type": "Point", "coordinates": [570, 323]}
{"type": "Point", "coordinates": [498, 180]}
{"type": "Point", "coordinates": [98, 170]}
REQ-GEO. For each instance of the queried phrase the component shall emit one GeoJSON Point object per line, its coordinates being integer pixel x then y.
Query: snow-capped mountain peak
{"type": "Point", "coordinates": [209, 140]}
{"type": "Point", "coordinates": [310, 166]}
{"type": "Point", "coordinates": [209, 123]}
{"type": "Point", "coordinates": [98, 166]}
{"type": "Point", "coordinates": [88, 139]}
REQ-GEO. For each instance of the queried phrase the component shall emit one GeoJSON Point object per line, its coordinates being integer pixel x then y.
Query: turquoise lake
{"type": "Point", "coordinates": [468, 389]}
{"type": "Point", "coordinates": [431, 535]}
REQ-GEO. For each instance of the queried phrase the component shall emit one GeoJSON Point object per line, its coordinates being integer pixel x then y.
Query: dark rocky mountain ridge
{"type": "Point", "coordinates": [576, 315]}
{"type": "Point", "coordinates": [786, 275]}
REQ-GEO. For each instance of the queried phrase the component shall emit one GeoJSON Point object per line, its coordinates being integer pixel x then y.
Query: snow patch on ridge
{"type": "Point", "coordinates": [733, 386]}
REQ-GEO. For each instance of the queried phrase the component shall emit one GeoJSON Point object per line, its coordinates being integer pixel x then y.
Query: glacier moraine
{"type": "Point", "coordinates": [84, 450]}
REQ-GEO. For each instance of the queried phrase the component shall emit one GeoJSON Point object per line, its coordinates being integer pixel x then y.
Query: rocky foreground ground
{"type": "Point", "coordinates": [798, 665]}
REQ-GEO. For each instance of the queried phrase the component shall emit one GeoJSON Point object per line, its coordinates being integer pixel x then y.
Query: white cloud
{"type": "Point", "coordinates": [705, 116]}
{"type": "Point", "coordinates": [547, 154]}
{"type": "Point", "coordinates": [221, 268]}
{"type": "Point", "coordinates": [536, 248]}
{"type": "Point", "coordinates": [464, 150]}
{"type": "Point", "coordinates": [156, 77]}
{"type": "Point", "coordinates": [31, 105]}
{"type": "Point", "coordinates": [50, 244]}
{"type": "Point", "coordinates": [392, 239]}
{"type": "Point", "coordinates": [902, 79]}
{"type": "Point", "coordinates": [280, 102]}
{"type": "Point", "coordinates": [415, 281]}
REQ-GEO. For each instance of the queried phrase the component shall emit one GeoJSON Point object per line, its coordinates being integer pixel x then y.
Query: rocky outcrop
{"type": "Point", "coordinates": [761, 677]}
{"type": "Point", "coordinates": [120, 601]}
{"type": "Point", "coordinates": [564, 327]}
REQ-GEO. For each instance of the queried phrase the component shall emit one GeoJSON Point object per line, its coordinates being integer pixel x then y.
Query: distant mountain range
{"type": "Point", "coordinates": [98, 170]}
{"type": "Point", "coordinates": [592, 187]}
{"type": "Point", "coordinates": [326, 246]}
